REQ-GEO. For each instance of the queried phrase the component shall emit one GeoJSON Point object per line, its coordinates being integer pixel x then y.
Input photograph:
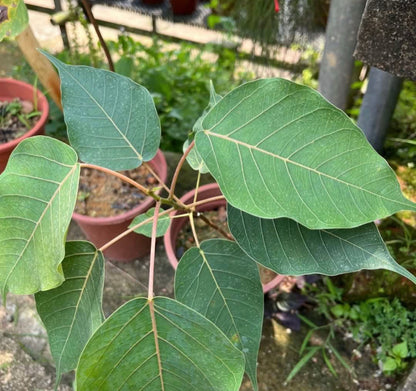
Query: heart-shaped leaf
{"type": "Point", "coordinates": [146, 229]}
{"type": "Point", "coordinates": [38, 191]}
{"type": "Point", "coordinates": [279, 149]}
{"type": "Point", "coordinates": [287, 247]}
{"type": "Point", "coordinates": [222, 283]}
{"type": "Point", "coordinates": [73, 311]}
{"type": "Point", "coordinates": [13, 18]}
{"type": "Point", "coordinates": [159, 345]}
{"type": "Point", "coordinates": [112, 121]}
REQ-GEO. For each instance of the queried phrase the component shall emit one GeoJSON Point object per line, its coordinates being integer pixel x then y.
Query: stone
{"type": "Point", "coordinates": [19, 372]}
{"type": "Point", "coordinates": [387, 37]}
{"type": "Point", "coordinates": [409, 383]}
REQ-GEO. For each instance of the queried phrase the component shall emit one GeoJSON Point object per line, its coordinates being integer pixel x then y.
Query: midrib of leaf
{"type": "Point", "coordinates": [221, 294]}
{"type": "Point", "coordinates": [37, 224]}
{"type": "Point", "coordinates": [156, 338]}
{"type": "Point", "coordinates": [286, 160]}
{"type": "Point", "coordinates": [154, 331]}
{"type": "Point", "coordinates": [183, 354]}
{"type": "Point", "coordinates": [236, 331]}
{"type": "Point", "coordinates": [140, 157]}
{"type": "Point", "coordinates": [58, 367]}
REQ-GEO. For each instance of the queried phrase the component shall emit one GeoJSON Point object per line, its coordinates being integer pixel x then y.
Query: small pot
{"type": "Point", "coordinates": [171, 236]}
{"type": "Point", "coordinates": [11, 89]}
{"type": "Point", "coordinates": [183, 7]}
{"type": "Point", "coordinates": [100, 230]}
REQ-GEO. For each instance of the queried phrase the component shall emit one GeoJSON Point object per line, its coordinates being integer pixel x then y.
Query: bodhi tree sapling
{"type": "Point", "coordinates": [303, 188]}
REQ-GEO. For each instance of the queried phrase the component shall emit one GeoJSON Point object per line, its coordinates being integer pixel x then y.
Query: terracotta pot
{"type": "Point", "coordinates": [183, 7]}
{"type": "Point", "coordinates": [171, 236]}
{"type": "Point", "coordinates": [100, 230]}
{"type": "Point", "coordinates": [11, 89]}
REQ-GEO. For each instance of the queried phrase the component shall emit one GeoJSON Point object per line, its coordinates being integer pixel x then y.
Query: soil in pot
{"type": "Point", "coordinates": [218, 216]}
{"type": "Point", "coordinates": [16, 118]}
{"type": "Point", "coordinates": [104, 195]}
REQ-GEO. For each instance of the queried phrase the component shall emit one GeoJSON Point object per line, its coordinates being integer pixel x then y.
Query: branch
{"type": "Point", "coordinates": [153, 252]}
{"type": "Point", "coordinates": [124, 178]}
{"type": "Point", "coordinates": [127, 231]}
{"type": "Point", "coordinates": [87, 8]}
{"type": "Point", "coordinates": [178, 169]}
{"type": "Point", "coordinates": [215, 226]}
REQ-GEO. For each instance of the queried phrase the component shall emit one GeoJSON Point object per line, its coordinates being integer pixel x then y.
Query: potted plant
{"type": "Point", "coordinates": [101, 229]}
{"type": "Point", "coordinates": [303, 188]}
{"type": "Point", "coordinates": [10, 90]}
{"type": "Point", "coordinates": [183, 7]}
{"type": "Point", "coordinates": [209, 191]}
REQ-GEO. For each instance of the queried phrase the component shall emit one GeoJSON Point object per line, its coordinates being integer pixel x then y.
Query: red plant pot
{"type": "Point", "coordinates": [100, 230]}
{"type": "Point", "coordinates": [11, 89]}
{"type": "Point", "coordinates": [183, 7]}
{"type": "Point", "coordinates": [171, 236]}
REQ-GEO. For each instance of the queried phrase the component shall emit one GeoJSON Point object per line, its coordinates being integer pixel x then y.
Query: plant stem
{"type": "Point", "coordinates": [191, 221]}
{"type": "Point", "coordinates": [215, 226]}
{"type": "Point", "coordinates": [153, 252]}
{"type": "Point", "coordinates": [178, 169]}
{"type": "Point", "coordinates": [202, 202]}
{"type": "Point", "coordinates": [197, 186]}
{"type": "Point", "coordinates": [153, 172]}
{"type": "Point", "coordinates": [126, 232]}
{"type": "Point", "coordinates": [87, 8]}
{"type": "Point", "coordinates": [123, 178]}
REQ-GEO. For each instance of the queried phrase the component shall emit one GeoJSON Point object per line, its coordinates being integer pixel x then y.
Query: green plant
{"type": "Point", "coordinates": [15, 109]}
{"type": "Point", "coordinates": [166, 71]}
{"type": "Point", "coordinates": [386, 324]}
{"type": "Point", "coordinates": [303, 187]}
{"type": "Point", "coordinates": [326, 349]}
{"type": "Point", "coordinates": [401, 143]}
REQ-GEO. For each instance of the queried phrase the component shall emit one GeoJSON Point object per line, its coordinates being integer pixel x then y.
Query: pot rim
{"type": "Point", "coordinates": [158, 163]}
{"type": "Point", "coordinates": [42, 101]}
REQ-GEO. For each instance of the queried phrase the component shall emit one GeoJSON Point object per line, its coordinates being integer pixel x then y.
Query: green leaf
{"type": "Point", "coordinates": [112, 121]}
{"type": "Point", "coordinates": [159, 345]}
{"type": "Point", "coordinates": [278, 149]}
{"type": "Point", "coordinates": [389, 364]}
{"type": "Point", "coordinates": [400, 350]}
{"type": "Point", "coordinates": [328, 363]}
{"type": "Point", "coordinates": [214, 98]}
{"type": "Point", "coordinates": [301, 363]}
{"type": "Point", "coordinates": [222, 283]}
{"type": "Point", "coordinates": [146, 229]}
{"type": "Point", "coordinates": [13, 18]}
{"type": "Point", "coordinates": [193, 158]}
{"type": "Point", "coordinates": [287, 247]}
{"type": "Point", "coordinates": [338, 310]}
{"type": "Point", "coordinates": [38, 191]}
{"type": "Point", "coordinates": [73, 311]}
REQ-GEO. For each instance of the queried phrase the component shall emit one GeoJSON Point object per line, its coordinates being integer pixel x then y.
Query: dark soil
{"type": "Point", "coordinates": [104, 195]}
{"type": "Point", "coordinates": [11, 126]}
{"type": "Point", "coordinates": [204, 232]}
